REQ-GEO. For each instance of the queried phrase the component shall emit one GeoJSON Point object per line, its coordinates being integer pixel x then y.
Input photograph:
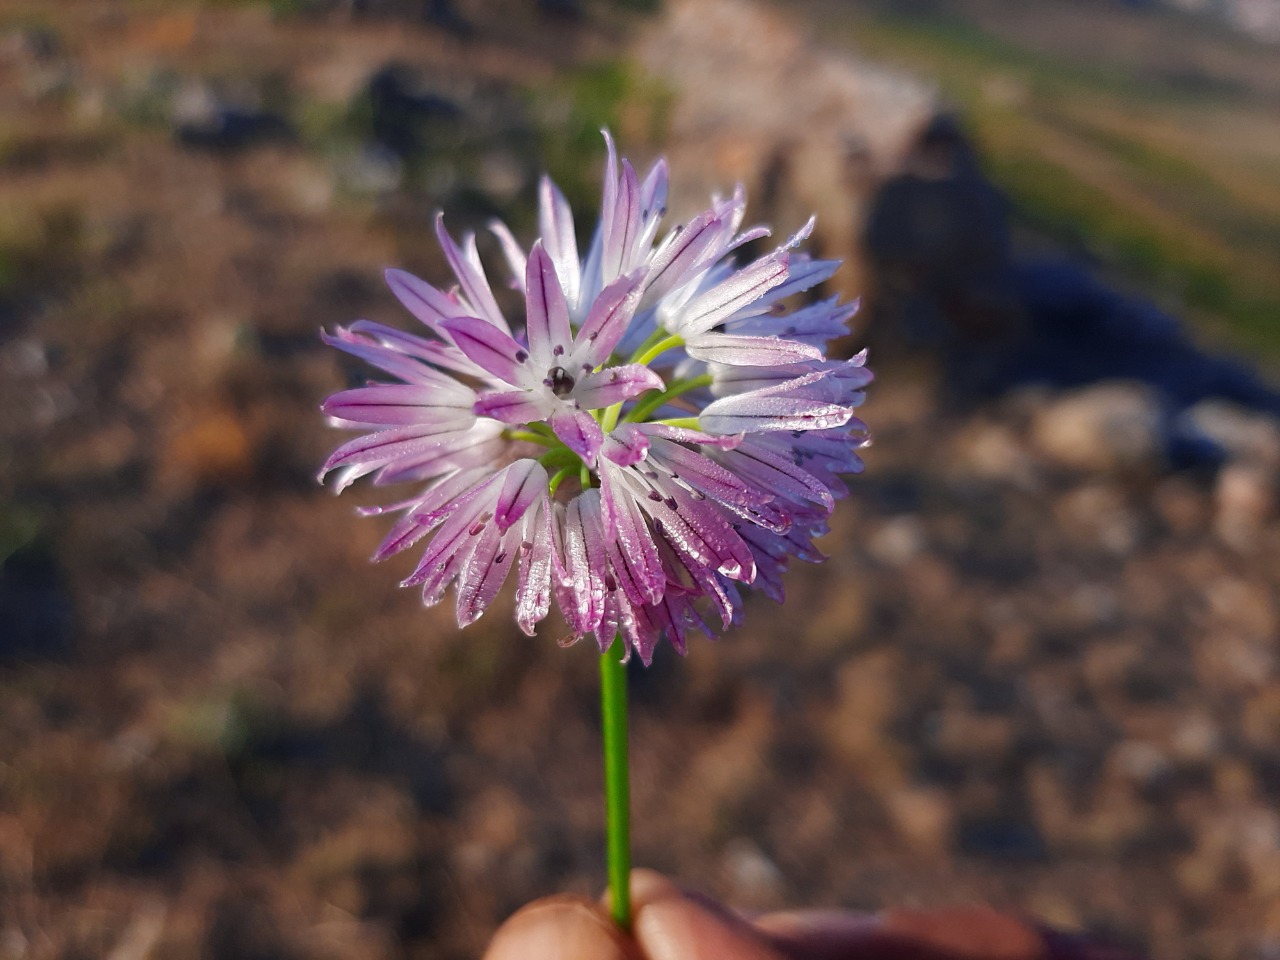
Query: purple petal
{"type": "Point", "coordinates": [653, 192]}
{"type": "Point", "coordinates": [430, 510]}
{"type": "Point", "coordinates": [436, 352]}
{"type": "Point", "coordinates": [713, 480]}
{"type": "Point", "coordinates": [750, 413]}
{"type": "Point", "coordinates": [484, 572]}
{"type": "Point", "coordinates": [374, 450]}
{"type": "Point", "coordinates": [514, 406]}
{"type": "Point", "coordinates": [603, 388]}
{"type": "Point", "coordinates": [626, 445]}
{"type": "Point", "coordinates": [439, 563]}
{"type": "Point", "coordinates": [774, 472]}
{"type": "Point", "coordinates": [433, 307]}
{"type": "Point", "coordinates": [555, 224]}
{"type": "Point", "coordinates": [523, 483]}
{"type": "Point", "coordinates": [466, 267]}
{"type": "Point", "coordinates": [685, 435]}
{"type": "Point", "coordinates": [684, 251]}
{"type": "Point", "coordinates": [403, 404]}
{"type": "Point", "coordinates": [626, 531]}
{"type": "Point", "coordinates": [547, 311]}
{"type": "Point", "coordinates": [533, 595]}
{"type": "Point", "coordinates": [491, 349]}
{"type": "Point", "coordinates": [392, 361]}
{"type": "Point", "coordinates": [583, 562]}
{"type": "Point", "coordinates": [580, 432]}
{"type": "Point", "coordinates": [515, 257]}
{"type": "Point", "coordinates": [620, 225]}
{"type": "Point", "coordinates": [732, 294]}
{"type": "Point", "coordinates": [749, 351]}
{"type": "Point", "coordinates": [610, 314]}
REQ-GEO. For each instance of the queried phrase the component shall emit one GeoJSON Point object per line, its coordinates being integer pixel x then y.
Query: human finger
{"type": "Point", "coordinates": [561, 928]}
{"type": "Point", "coordinates": [670, 924]}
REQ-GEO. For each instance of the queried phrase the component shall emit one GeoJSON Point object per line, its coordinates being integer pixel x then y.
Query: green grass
{"type": "Point", "coordinates": [1075, 153]}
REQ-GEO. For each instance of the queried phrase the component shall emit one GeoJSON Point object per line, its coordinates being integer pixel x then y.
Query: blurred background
{"type": "Point", "coordinates": [1037, 670]}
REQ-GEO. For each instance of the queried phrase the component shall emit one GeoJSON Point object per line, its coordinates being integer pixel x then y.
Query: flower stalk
{"type": "Point", "coordinates": [617, 786]}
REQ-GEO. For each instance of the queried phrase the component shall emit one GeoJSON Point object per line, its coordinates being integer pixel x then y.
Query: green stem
{"type": "Point", "coordinates": [641, 410]}
{"type": "Point", "coordinates": [617, 794]}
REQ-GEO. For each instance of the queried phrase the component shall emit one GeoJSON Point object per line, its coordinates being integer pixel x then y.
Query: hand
{"type": "Point", "coordinates": [671, 924]}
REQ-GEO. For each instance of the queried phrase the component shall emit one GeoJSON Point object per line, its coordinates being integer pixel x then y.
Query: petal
{"type": "Point", "coordinates": [515, 406]}
{"type": "Point", "coordinates": [555, 224]}
{"type": "Point", "coordinates": [523, 483]}
{"type": "Point", "coordinates": [684, 250]}
{"type": "Point", "coordinates": [620, 226]}
{"type": "Point", "coordinates": [749, 351]}
{"type": "Point", "coordinates": [403, 404]}
{"type": "Point", "coordinates": [435, 352]}
{"type": "Point", "coordinates": [533, 595]}
{"type": "Point", "coordinates": [603, 388]}
{"type": "Point", "coordinates": [633, 554]}
{"type": "Point", "coordinates": [749, 413]}
{"type": "Point", "coordinates": [731, 295]}
{"type": "Point", "coordinates": [547, 312]}
{"type": "Point", "coordinates": [374, 450]}
{"type": "Point", "coordinates": [626, 445]}
{"type": "Point", "coordinates": [583, 562]}
{"type": "Point", "coordinates": [392, 361]}
{"type": "Point", "coordinates": [491, 349]}
{"type": "Point", "coordinates": [511, 251]}
{"type": "Point", "coordinates": [713, 480]}
{"type": "Point", "coordinates": [484, 572]}
{"type": "Point", "coordinates": [466, 267]}
{"type": "Point", "coordinates": [579, 431]}
{"type": "Point", "coordinates": [610, 314]}
{"type": "Point", "coordinates": [433, 307]}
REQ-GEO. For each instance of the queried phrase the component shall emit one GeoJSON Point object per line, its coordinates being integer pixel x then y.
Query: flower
{"type": "Point", "coordinates": [658, 432]}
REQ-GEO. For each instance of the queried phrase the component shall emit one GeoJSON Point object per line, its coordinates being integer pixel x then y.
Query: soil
{"type": "Point", "coordinates": [1018, 680]}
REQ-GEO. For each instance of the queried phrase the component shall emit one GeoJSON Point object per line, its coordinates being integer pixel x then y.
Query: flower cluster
{"type": "Point", "coordinates": [660, 430]}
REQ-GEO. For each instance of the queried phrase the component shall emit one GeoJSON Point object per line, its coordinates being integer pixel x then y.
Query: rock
{"type": "Point", "coordinates": [992, 451]}
{"type": "Point", "coordinates": [1097, 515]}
{"type": "Point", "coordinates": [898, 540]}
{"type": "Point", "coordinates": [1244, 434]}
{"type": "Point", "coordinates": [1245, 498]}
{"type": "Point", "coordinates": [922, 816]}
{"type": "Point", "coordinates": [754, 881]}
{"type": "Point", "coordinates": [1105, 428]}
{"type": "Point", "coordinates": [214, 449]}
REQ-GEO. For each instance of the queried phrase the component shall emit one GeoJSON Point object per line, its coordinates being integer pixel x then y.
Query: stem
{"type": "Point", "coordinates": [617, 794]}
{"type": "Point", "coordinates": [659, 348]}
{"type": "Point", "coordinates": [641, 410]}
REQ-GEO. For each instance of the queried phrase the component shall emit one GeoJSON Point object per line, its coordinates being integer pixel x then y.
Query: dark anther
{"type": "Point", "coordinates": [521, 356]}
{"type": "Point", "coordinates": [557, 351]}
{"type": "Point", "coordinates": [560, 382]}
{"type": "Point", "coordinates": [610, 584]}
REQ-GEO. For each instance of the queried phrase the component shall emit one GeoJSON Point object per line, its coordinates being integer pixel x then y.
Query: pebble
{"type": "Point", "coordinates": [1105, 428]}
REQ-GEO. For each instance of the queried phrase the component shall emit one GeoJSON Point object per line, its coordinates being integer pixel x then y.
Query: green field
{"type": "Point", "coordinates": [1166, 169]}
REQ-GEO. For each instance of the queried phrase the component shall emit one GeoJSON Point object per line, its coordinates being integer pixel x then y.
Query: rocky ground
{"type": "Point", "coordinates": [1037, 670]}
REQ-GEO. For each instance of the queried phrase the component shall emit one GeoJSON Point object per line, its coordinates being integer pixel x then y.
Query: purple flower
{"type": "Point", "coordinates": [659, 430]}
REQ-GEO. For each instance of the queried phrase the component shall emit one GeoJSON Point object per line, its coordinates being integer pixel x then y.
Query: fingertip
{"type": "Point", "coordinates": [672, 926]}
{"type": "Point", "coordinates": [560, 928]}
{"type": "Point", "coordinates": [649, 886]}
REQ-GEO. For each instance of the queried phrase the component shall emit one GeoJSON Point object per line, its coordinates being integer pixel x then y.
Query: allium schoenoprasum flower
{"type": "Point", "coordinates": [656, 431]}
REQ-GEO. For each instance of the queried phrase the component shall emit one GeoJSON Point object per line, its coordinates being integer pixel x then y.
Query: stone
{"type": "Point", "coordinates": [1245, 498]}
{"type": "Point", "coordinates": [1104, 428]}
{"type": "Point", "coordinates": [1244, 434]}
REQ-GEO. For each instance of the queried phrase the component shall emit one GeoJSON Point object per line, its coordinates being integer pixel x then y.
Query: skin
{"type": "Point", "coordinates": [672, 924]}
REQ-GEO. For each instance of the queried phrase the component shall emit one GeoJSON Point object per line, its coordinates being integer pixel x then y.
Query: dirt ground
{"type": "Point", "coordinates": [1043, 683]}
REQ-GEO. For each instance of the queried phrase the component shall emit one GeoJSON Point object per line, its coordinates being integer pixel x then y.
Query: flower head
{"type": "Point", "coordinates": [658, 431]}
